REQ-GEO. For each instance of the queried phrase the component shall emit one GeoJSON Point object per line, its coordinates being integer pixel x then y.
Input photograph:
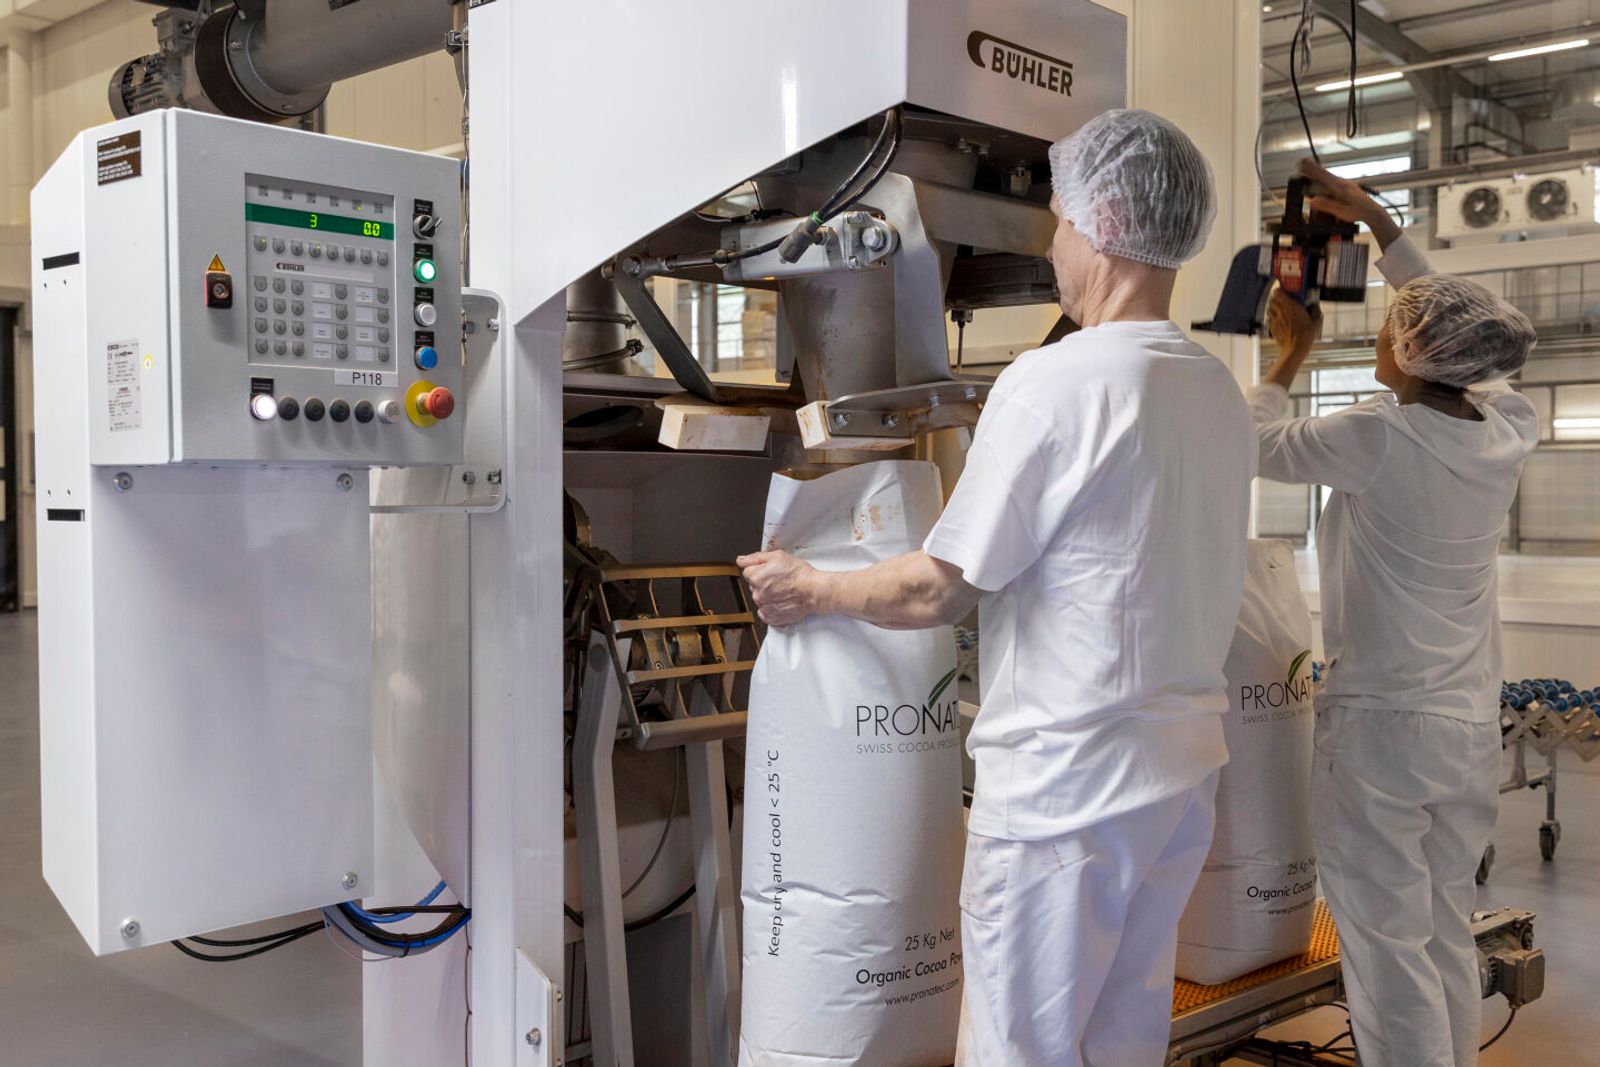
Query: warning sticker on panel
{"type": "Point", "coordinates": [119, 158]}
{"type": "Point", "coordinates": [124, 402]}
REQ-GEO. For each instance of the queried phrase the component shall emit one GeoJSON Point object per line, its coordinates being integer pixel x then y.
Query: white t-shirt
{"type": "Point", "coordinates": [1407, 546]}
{"type": "Point", "coordinates": [1103, 510]}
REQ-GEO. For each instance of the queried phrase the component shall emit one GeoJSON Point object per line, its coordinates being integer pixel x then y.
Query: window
{"type": "Point", "coordinates": [1397, 199]}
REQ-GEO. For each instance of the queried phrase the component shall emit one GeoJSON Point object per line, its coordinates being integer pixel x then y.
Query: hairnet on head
{"type": "Point", "coordinates": [1135, 187]}
{"type": "Point", "coordinates": [1453, 331]}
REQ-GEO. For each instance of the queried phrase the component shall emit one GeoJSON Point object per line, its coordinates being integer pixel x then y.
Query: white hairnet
{"type": "Point", "coordinates": [1453, 331]}
{"type": "Point", "coordinates": [1135, 187]}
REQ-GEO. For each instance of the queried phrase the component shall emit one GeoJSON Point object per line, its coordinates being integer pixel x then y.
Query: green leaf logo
{"type": "Point", "coordinates": [938, 690]}
{"type": "Point", "coordinates": [1294, 668]}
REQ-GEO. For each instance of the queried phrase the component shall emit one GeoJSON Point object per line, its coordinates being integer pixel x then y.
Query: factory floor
{"type": "Point", "coordinates": [60, 1007]}
{"type": "Point", "coordinates": [301, 1006]}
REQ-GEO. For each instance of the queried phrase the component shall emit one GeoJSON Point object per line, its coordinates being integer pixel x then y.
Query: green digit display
{"type": "Point", "coordinates": [307, 220]}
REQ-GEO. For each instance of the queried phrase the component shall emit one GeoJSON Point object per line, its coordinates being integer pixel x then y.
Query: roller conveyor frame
{"type": "Point", "coordinates": [1212, 1024]}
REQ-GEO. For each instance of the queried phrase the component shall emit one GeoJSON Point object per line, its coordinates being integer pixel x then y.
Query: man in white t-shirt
{"type": "Point", "coordinates": [1101, 519]}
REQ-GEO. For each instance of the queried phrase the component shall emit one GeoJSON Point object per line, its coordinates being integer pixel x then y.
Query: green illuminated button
{"type": "Point", "coordinates": [426, 271]}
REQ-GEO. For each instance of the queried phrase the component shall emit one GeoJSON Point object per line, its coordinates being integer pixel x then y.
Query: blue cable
{"type": "Point", "coordinates": [428, 943]}
{"type": "Point", "coordinates": [371, 918]}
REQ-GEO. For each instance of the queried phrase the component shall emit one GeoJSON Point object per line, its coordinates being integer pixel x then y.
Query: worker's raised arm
{"type": "Point", "coordinates": [1343, 450]}
{"type": "Point", "coordinates": [1345, 199]}
{"type": "Point", "coordinates": [909, 592]}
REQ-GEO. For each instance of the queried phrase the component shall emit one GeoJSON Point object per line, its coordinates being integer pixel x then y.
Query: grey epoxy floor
{"type": "Point", "coordinates": [301, 1006]}
{"type": "Point", "coordinates": [60, 1007]}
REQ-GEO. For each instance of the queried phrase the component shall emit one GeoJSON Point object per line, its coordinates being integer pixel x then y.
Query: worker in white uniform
{"type": "Point", "coordinates": [1406, 778]}
{"type": "Point", "coordinates": [1101, 519]}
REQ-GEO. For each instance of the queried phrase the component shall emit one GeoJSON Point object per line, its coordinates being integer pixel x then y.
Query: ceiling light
{"type": "Point", "coordinates": [1369, 79]}
{"type": "Point", "coordinates": [1585, 423]}
{"type": "Point", "coordinates": [1539, 50]}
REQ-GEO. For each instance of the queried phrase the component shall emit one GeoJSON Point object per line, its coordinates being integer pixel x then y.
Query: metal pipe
{"type": "Point", "coordinates": [597, 323]}
{"type": "Point", "coordinates": [300, 46]}
{"type": "Point", "coordinates": [679, 732]}
{"type": "Point", "coordinates": [277, 61]}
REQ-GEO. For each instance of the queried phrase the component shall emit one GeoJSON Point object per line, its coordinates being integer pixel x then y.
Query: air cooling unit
{"type": "Point", "coordinates": [1560, 199]}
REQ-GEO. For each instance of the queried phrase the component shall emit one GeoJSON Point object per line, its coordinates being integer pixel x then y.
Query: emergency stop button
{"type": "Point", "coordinates": [438, 402]}
{"type": "Point", "coordinates": [427, 403]}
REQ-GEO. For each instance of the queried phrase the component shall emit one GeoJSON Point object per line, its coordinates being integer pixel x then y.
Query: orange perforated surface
{"type": "Point", "coordinates": [1187, 996]}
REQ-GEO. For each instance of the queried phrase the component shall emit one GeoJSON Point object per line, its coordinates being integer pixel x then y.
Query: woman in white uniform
{"type": "Point", "coordinates": [1406, 779]}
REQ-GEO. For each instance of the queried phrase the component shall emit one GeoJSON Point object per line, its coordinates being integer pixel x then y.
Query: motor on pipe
{"type": "Point", "coordinates": [272, 60]}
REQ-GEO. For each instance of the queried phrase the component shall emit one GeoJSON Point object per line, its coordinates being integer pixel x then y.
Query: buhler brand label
{"type": "Point", "coordinates": [1020, 63]}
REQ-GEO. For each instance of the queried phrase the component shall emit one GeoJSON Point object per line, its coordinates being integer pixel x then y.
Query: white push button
{"type": "Point", "coordinates": [264, 407]}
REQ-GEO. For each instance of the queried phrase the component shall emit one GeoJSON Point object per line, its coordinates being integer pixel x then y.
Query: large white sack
{"type": "Point", "coordinates": [1253, 904]}
{"type": "Point", "coordinates": [853, 835]}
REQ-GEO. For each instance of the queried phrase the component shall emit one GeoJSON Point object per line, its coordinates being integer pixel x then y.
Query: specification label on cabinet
{"type": "Point", "coordinates": [118, 158]}
{"type": "Point", "coordinates": [125, 405]}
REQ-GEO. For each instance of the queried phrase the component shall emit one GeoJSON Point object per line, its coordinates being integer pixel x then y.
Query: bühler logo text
{"type": "Point", "coordinates": [1020, 63]}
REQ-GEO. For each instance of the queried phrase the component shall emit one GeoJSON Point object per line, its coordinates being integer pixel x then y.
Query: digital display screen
{"type": "Point", "coordinates": [320, 221]}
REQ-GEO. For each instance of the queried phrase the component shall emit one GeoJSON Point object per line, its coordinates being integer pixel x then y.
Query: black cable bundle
{"type": "Point", "coordinates": [255, 946]}
{"type": "Point", "coordinates": [1300, 49]}
{"type": "Point", "coordinates": [353, 923]}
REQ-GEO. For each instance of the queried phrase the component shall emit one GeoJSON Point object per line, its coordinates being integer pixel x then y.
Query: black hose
{"type": "Point", "coordinates": [287, 939]}
{"type": "Point", "coordinates": [794, 243]}
{"type": "Point", "coordinates": [640, 923]}
{"type": "Point", "coordinates": [1294, 81]}
{"type": "Point", "coordinates": [1501, 1032]}
{"type": "Point", "coordinates": [892, 121]}
{"type": "Point", "coordinates": [244, 942]}
{"type": "Point", "coordinates": [1350, 117]}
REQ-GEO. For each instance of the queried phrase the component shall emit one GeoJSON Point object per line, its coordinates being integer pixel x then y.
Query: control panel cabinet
{"type": "Point", "coordinates": [232, 324]}
{"type": "Point", "coordinates": [260, 294]}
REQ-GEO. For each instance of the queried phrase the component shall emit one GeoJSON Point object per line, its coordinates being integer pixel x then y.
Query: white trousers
{"type": "Point", "coordinates": [1068, 944]}
{"type": "Point", "coordinates": [1402, 804]}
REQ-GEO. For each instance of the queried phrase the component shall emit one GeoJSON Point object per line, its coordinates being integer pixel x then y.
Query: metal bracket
{"type": "Point", "coordinates": [539, 1041]}
{"type": "Point", "coordinates": [475, 484]}
{"type": "Point", "coordinates": [904, 412]}
{"type": "Point", "coordinates": [857, 240]}
{"type": "Point", "coordinates": [628, 276]}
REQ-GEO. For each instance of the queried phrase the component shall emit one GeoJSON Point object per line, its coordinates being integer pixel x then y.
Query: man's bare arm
{"type": "Point", "coordinates": [909, 592]}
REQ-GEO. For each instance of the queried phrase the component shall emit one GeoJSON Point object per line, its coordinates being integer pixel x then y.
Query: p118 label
{"type": "Point", "coordinates": [369, 379]}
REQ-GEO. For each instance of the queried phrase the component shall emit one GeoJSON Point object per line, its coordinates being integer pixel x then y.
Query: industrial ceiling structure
{"type": "Point", "coordinates": [1467, 90]}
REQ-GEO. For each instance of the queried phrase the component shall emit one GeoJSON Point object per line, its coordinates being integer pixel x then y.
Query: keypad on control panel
{"type": "Point", "coordinates": [327, 293]}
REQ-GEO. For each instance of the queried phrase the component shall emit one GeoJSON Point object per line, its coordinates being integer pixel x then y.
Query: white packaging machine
{"type": "Point", "coordinates": [415, 582]}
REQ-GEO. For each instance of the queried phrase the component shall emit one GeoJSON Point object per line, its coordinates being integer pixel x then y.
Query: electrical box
{"type": "Point", "coordinates": [233, 324]}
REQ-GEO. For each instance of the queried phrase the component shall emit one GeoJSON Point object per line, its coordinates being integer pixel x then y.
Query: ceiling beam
{"type": "Point", "coordinates": [1436, 88]}
{"type": "Point", "coordinates": [1460, 14]}
{"type": "Point", "coordinates": [1419, 22]}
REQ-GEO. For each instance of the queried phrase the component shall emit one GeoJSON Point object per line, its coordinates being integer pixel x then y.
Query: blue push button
{"type": "Point", "coordinates": [427, 358]}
